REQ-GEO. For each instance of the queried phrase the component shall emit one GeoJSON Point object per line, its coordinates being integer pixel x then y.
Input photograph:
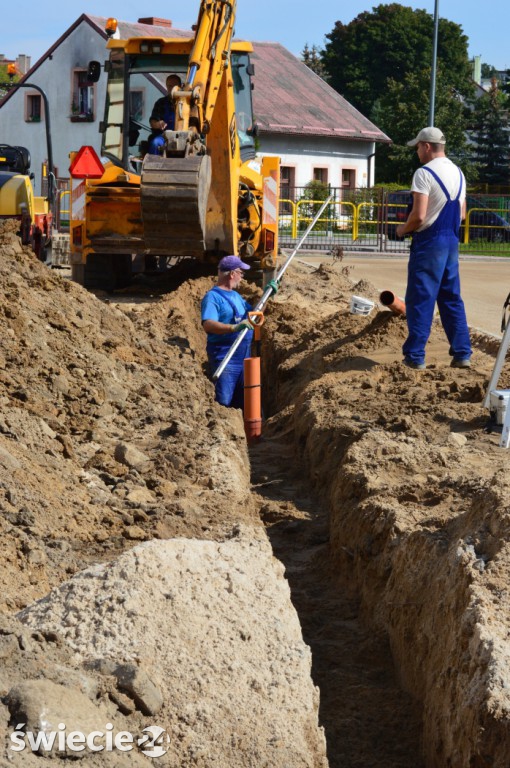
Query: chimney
{"type": "Point", "coordinates": [477, 69]}
{"type": "Point", "coordinates": [153, 21]}
{"type": "Point", "coordinates": [23, 63]}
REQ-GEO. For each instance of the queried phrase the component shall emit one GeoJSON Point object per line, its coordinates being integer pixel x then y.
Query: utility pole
{"type": "Point", "coordinates": [432, 102]}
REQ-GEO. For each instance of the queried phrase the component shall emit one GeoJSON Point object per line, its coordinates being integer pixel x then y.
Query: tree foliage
{"type": "Point", "coordinates": [391, 42]}
{"type": "Point", "coordinates": [487, 71]}
{"type": "Point", "coordinates": [313, 60]}
{"type": "Point", "coordinates": [403, 110]}
{"type": "Point", "coordinates": [490, 131]}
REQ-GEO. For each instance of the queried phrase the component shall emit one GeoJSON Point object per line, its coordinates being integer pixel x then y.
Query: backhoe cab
{"type": "Point", "coordinates": [205, 193]}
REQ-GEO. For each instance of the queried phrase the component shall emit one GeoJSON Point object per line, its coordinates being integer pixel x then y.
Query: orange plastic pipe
{"type": "Point", "coordinates": [252, 399]}
{"type": "Point", "coordinates": [388, 299]}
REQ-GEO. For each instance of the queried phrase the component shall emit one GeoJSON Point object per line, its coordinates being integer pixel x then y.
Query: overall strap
{"type": "Point", "coordinates": [438, 181]}
{"type": "Point", "coordinates": [442, 185]}
{"type": "Point", "coordinates": [224, 295]}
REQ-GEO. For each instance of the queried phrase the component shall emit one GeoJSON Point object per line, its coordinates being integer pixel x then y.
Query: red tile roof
{"type": "Point", "coordinates": [290, 98]}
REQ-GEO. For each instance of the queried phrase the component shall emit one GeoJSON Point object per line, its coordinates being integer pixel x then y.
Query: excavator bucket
{"type": "Point", "coordinates": [174, 194]}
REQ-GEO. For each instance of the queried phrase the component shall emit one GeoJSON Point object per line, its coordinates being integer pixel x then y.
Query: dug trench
{"type": "Point", "coordinates": [138, 583]}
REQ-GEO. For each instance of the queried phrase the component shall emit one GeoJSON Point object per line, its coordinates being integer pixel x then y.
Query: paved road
{"type": "Point", "coordinates": [485, 282]}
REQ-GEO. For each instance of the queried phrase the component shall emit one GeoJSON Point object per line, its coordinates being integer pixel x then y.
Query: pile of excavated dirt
{"type": "Point", "coordinates": [127, 512]}
{"type": "Point", "coordinates": [205, 637]}
{"type": "Point", "coordinates": [109, 437]}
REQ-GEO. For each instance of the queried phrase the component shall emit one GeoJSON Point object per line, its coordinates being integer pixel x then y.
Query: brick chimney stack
{"type": "Point", "coordinates": [153, 21]}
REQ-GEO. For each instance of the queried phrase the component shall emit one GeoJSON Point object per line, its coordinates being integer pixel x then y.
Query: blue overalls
{"type": "Point", "coordinates": [157, 140]}
{"type": "Point", "coordinates": [433, 275]}
{"type": "Point", "coordinates": [229, 388]}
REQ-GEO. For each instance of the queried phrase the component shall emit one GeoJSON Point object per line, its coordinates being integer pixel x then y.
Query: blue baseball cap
{"type": "Point", "coordinates": [228, 263]}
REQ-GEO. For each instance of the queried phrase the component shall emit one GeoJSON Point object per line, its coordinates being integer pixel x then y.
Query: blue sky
{"type": "Point", "coordinates": [289, 22]}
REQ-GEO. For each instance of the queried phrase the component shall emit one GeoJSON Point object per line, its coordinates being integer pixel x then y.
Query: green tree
{"type": "Point", "coordinates": [488, 71]}
{"type": "Point", "coordinates": [403, 110]}
{"type": "Point", "coordinates": [390, 42]}
{"type": "Point", "coordinates": [490, 131]}
{"type": "Point", "coordinates": [313, 60]}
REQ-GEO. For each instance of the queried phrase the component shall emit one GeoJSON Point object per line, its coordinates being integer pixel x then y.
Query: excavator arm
{"type": "Point", "coordinates": [175, 186]}
{"type": "Point", "coordinates": [209, 58]}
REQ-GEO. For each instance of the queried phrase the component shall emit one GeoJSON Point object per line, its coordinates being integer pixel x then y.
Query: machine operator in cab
{"type": "Point", "coordinates": [163, 116]}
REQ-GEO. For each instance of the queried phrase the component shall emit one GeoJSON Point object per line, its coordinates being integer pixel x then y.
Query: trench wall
{"type": "Point", "coordinates": [419, 520]}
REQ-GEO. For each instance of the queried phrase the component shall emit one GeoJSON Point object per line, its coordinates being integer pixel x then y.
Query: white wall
{"type": "Point", "coordinates": [305, 153]}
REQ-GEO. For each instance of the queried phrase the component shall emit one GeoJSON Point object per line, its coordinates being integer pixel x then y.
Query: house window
{"type": "Point", "coordinates": [287, 182]}
{"type": "Point", "coordinates": [82, 107]}
{"type": "Point", "coordinates": [320, 174]}
{"type": "Point", "coordinates": [33, 106]}
{"type": "Point", "coordinates": [348, 178]}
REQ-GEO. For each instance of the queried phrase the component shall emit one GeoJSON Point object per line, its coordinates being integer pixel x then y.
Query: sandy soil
{"type": "Point", "coordinates": [380, 488]}
{"type": "Point", "coordinates": [485, 282]}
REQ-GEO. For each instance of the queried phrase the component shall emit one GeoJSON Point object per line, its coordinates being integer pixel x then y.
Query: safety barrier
{"type": "Point", "coordinates": [371, 224]}
{"type": "Point", "coordinates": [489, 225]}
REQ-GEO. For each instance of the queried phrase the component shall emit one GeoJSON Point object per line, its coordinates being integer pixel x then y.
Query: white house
{"type": "Point", "coordinates": [314, 130]}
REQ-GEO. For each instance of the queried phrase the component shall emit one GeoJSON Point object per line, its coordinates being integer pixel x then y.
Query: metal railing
{"type": "Point", "coordinates": [366, 219]}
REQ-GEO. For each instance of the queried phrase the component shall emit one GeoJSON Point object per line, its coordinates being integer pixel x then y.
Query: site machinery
{"type": "Point", "coordinates": [18, 201]}
{"type": "Point", "coordinates": [207, 194]}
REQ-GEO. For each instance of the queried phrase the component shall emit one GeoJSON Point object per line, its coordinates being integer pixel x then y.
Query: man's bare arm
{"type": "Point", "coordinates": [416, 217]}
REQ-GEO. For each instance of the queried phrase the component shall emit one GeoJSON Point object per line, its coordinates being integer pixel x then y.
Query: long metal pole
{"type": "Point", "coordinates": [267, 295]}
{"type": "Point", "coordinates": [432, 103]}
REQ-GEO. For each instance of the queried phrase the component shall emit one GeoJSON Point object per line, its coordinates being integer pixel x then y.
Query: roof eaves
{"type": "Point", "coordinates": [317, 131]}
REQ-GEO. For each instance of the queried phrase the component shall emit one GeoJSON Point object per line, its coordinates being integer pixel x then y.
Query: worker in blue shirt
{"type": "Point", "coordinates": [163, 116]}
{"type": "Point", "coordinates": [224, 316]}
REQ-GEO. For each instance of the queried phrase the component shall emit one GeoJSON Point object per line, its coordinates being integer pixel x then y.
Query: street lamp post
{"type": "Point", "coordinates": [432, 103]}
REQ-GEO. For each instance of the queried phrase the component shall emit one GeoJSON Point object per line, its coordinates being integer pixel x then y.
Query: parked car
{"type": "Point", "coordinates": [484, 222]}
{"type": "Point", "coordinates": [398, 206]}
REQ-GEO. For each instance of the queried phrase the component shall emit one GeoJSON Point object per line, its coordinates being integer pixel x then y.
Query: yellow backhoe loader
{"type": "Point", "coordinates": [204, 192]}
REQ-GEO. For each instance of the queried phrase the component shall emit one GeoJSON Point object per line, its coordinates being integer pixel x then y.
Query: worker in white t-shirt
{"type": "Point", "coordinates": [439, 204]}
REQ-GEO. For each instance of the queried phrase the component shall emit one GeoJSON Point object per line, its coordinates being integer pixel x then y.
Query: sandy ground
{"type": "Point", "coordinates": [381, 490]}
{"type": "Point", "coordinates": [485, 282]}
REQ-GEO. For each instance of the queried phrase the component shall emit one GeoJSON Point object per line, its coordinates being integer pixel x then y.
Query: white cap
{"type": "Point", "coordinates": [430, 134]}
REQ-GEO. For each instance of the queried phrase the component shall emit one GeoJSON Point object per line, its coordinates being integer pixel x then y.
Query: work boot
{"type": "Point", "coordinates": [466, 363]}
{"type": "Point", "coordinates": [411, 364]}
